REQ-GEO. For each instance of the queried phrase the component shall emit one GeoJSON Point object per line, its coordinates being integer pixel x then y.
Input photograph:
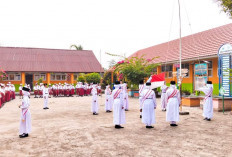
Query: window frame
{"type": "Point", "coordinates": [167, 72]}
{"type": "Point", "coordinates": [40, 76]}
{"type": "Point", "coordinates": [12, 73]}
{"type": "Point", "coordinates": [210, 68]}
{"type": "Point", "coordinates": [59, 75]}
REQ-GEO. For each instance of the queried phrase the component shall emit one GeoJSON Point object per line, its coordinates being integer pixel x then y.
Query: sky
{"type": "Point", "coordinates": [114, 26]}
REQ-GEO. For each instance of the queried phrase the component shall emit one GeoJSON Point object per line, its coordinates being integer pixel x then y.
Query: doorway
{"type": "Point", "coordinates": [29, 80]}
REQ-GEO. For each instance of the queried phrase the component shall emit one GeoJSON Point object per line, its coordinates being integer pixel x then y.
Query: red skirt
{"type": "Point", "coordinates": [20, 93]}
{"type": "Point", "coordinates": [7, 96]}
{"type": "Point", "coordinates": [0, 102]}
{"type": "Point", "coordinates": [78, 91]}
{"type": "Point", "coordinates": [72, 92]}
{"type": "Point", "coordinates": [3, 98]}
{"type": "Point", "coordinates": [81, 93]}
{"type": "Point", "coordinates": [50, 92]}
{"type": "Point", "coordinates": [40, 92]}
{"type": "Point", "coordinates": [13, 95]}
{"type": "Point", "coordinates": [36, 92]}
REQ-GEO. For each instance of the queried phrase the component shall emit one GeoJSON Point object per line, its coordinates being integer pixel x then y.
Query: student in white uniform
{"type": "Point", "coordinates": [25, 119]}
{"type": "Point", "coordinates": [45, 96]}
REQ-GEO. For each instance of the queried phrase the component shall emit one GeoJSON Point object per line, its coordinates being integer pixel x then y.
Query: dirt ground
{"type": "Point", "coordinates": [68, 128]}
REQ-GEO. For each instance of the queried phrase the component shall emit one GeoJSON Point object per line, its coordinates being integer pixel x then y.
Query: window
{"type": "Point", "coordinates": [59, 77]}
{"type": "Point", "coordinates": [75, 76]}
{"type": "Point", "coordinates": [155, 71]}
{"type": "Point", "coordinates": [185, 66]}
{"type": "Point", "coordinates": [38, 76]}
{"type": "Point", "coordinates": [13, 77]}
{"type": "Point", "coordinates": [167, 69]}
{"type": "Point", "coordinates": [210, 68]}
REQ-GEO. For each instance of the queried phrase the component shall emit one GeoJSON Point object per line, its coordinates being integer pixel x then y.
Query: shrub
{"type": "Point", "coordinates": [93, 77]}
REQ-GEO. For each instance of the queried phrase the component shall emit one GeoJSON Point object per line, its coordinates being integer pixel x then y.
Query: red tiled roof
{"type": "Point", "coordinates": [48, 60]}
{"type": "Point", "coordinates": [203, 44]}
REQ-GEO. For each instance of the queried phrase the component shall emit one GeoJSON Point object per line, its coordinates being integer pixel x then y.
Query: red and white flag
{"type": "Point", "coordinates": [157, 80]}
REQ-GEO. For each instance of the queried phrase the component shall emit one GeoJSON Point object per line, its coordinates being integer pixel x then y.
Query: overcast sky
{"type": "Point", "coordinates": [115, 26]}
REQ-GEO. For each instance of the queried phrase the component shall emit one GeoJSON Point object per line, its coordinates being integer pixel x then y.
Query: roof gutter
{"type": "Point", "coordinates": [192, 59]}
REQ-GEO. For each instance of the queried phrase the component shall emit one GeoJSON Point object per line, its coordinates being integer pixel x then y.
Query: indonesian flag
{"type": "Point", "coordinates": [157, 80]}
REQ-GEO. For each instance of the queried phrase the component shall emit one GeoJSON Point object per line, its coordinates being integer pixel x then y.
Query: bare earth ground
{"type": "Point", "coordinates": [68, 128]}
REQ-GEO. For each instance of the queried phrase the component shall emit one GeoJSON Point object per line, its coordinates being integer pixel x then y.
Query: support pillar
{"type": "Point", "coordinates": [23, 78]}
{"type": "Point", "coordinates": [48, 78]}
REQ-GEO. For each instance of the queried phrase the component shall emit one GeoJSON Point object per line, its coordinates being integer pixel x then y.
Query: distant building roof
{"type": "Point", "coordinates": [48, 60]}
{"type": "Point", "coordinates": [203, 44]}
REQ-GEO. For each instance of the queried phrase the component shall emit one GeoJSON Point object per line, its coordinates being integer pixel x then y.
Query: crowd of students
{"type": "Point", "coordinates": [7, 93]}
{"type": "Point", "coordinates": [63, 90]}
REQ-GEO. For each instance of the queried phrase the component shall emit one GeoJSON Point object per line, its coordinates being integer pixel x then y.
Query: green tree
{"type": "Point", "coordinates": [76, 47]}
{"type": "Point", "coordinates": [226, 6]}
{"type": "Point", "coordinates": [136, 68]}
{"type": "Point", "coordinates": [40, 80]}
{"type": "Point", "coordinates": [93, 77]}
{"type": "Point", "coordinates": [81, 78]}
{"type": "Point", "coordinates": [107, 79]}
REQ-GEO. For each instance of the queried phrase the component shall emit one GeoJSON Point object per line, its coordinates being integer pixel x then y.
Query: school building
{"type": "Point", "coordinates": [206, 55]}
{"type": "Point", "coordinates": [28, 65]}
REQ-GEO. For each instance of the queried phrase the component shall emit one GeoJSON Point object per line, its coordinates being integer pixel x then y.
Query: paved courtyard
{"type": "Point", "coordinates": [68, 128]}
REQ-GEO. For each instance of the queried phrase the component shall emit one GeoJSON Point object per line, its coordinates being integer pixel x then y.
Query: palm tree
{"type": "Point", "coordinates": [76, 47]}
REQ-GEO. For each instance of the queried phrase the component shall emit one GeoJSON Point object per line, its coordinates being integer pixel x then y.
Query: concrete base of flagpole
{"type": "Point", "coordinates": [183, 113]}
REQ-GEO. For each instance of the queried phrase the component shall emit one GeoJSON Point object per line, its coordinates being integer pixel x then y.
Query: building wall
{"type": "Point", "coordinates": [188, 82]}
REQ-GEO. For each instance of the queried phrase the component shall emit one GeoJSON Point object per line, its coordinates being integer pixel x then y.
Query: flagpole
{"type": "Point", "coordinates": [180, 77]}
{"type": "Point", "coordinates": [180, 55]}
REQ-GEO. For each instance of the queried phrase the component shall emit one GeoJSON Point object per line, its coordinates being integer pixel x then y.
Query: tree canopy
{"type": "Point", "coordinates": [226, 6]}
{"type": "Point", "coordinates": [76, 47]}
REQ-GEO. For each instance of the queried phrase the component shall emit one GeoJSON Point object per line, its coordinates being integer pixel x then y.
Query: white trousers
{"type": "Point", "coordinates": [45, 101]}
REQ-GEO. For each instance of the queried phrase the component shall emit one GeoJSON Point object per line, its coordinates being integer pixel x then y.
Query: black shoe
{"type": "Point", "coordinates": [149, 127]}
{"type": "Point", "coordinates": [47, 108]}
{"type": "Point", "coordinates": [208, 119]}
{"type": "Point", "coordinates": [22, 136]}
{"type": "Point", "coordinates": [109, 111]}
{"type": "Point", "coordinates": [173, 125]}
{"type": "Point", "coordinates": [95, 113]}
{"type": "Point", "coordinates": [140, 116]}
{"type": "Point", "coordinates": [44, 108]}
{"type": "Point", "coordinates": [205, 118]}
{"type": "Point", "coordinates": [118, 126]}
{"type": "Point", "coordinates": [26, 135]}
{"type": "Point", "coordinates": [126, 110]}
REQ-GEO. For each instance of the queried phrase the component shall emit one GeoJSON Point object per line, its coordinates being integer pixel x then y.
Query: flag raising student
{"type": "Point", "coordinates": [148, 106]}
{"type": "Point", "coordinates": [173, 103]}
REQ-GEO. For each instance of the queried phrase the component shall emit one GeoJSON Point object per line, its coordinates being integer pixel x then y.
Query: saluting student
{"type": "Point", "coordinates": [173, 103]}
